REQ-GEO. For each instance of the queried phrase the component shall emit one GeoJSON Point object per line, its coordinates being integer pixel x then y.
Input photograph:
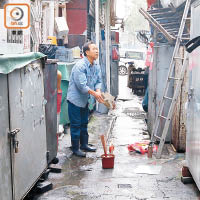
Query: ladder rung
{"type": "Point", "coordinates": [179, 58]}
{"type": "Point", "coordinates": [157, 137]}
{"type": "Point", "coordinates": [162, 117]}
{"type": "Point", "coordinates": [174, 78]}
{"type": "Point", "coordinates": [167, 97]}
{"type": "Point", "coordinates": [184, 38]}
{"type": "Point", "coordinates": [170, 24]}
{"type": "Point", "coordinates": [187, 18]}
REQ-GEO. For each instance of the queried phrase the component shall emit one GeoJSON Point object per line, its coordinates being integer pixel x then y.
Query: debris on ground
{"type": "Point", "coordinates": [141, 147]}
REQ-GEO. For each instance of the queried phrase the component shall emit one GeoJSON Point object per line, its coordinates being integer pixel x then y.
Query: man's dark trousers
{"type": "Point", "coordinates": [78, 117]}
{"type": "Point", "coordinates": [78, 120]}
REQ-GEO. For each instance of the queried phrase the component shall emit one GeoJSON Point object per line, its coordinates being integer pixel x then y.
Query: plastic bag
{"type": "Point", "coordinates": [49, 50]}
{"type": "Point", "coordinates": [141, 147]}
{"type": "Point", "coordinates": [115, 54]}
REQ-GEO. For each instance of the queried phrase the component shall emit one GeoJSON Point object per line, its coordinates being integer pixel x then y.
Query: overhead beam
{"type": "Point", "coordinates": [157, 25]}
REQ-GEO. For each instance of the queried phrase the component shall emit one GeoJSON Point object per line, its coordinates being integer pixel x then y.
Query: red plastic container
{"type": "Point", "coordinates": [59, 99]}
{"type": "Point", "coordinates": [108, 161]}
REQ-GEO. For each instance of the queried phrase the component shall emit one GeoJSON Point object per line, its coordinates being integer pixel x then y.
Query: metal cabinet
{"type": "Point", "coordinates": [27, 112]}
{"type": "Point", "coordinates": [22, 106]}
{"type": "Point", "coordinates": [193, 117]}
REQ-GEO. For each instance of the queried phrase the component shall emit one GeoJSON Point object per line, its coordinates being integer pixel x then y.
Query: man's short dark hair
{"type": "Point", "coordinates": [86, 47]}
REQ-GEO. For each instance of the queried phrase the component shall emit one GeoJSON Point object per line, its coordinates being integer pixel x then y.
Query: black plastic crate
{"type": "Point", "coordinates": [138, 83]}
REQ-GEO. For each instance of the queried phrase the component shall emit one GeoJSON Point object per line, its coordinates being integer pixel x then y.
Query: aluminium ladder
{"type": "Point", "coordinates": [159, 116]}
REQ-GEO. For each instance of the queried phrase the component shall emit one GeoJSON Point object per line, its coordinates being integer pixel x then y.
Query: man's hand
{"type": "Point", "coordinates": [97, 95]}
{"type": "Point", "coordinates": [113, 105]}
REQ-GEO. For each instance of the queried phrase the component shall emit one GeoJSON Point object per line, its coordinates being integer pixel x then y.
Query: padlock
{"type": "Point", "coordinates": [16, 146]}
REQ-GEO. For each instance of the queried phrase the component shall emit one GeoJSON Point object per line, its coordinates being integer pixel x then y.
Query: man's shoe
{"type": "Point", "coordinates": [79, 153]}
{"type": "Point", "coordinates": [84, 144]}
{"type": "Point", "coordinates": [87, 148]}
{"type": "Point", "coordinates": [75, 148]}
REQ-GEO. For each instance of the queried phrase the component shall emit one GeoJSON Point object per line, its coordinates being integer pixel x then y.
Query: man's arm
{"type": "Point", "coordinates": [81, 80]}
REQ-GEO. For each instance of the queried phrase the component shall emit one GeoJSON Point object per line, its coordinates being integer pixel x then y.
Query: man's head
{"type": "Point", "coordinates": [91, 51]}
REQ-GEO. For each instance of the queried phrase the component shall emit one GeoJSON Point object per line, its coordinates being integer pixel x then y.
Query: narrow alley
{"type": "Point", "coordinates": [134, 176]}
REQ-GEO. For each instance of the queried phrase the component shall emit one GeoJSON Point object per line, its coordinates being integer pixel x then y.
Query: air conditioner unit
{"type": "Point", "coordinates": [13, 41]}
{"type": "Point", "coordinates": [61, 27]}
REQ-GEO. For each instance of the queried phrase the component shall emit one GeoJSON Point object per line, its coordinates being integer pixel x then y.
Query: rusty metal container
{"type": "Point", "coordinates": [50, 92]}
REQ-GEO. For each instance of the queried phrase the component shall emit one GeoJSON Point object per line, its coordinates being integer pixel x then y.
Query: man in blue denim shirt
{"type": "Point", "coordinates": [85, 80]}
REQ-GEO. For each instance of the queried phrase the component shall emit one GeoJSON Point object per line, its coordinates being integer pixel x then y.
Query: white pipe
{"type": "Point", "coordinates": [51, 17]}
{"type": "Point", "coordinates": [97, 24]}
{"type": "Point", "coordinates": [107, 38]}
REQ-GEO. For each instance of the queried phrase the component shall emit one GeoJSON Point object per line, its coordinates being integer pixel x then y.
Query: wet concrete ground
{"type": "Point", "coordinates": [84, 178]}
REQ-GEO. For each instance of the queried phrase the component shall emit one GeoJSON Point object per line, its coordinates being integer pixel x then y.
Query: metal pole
{"type": "Point", "coordinates": [97, 24]}
{"type": "Point", "coordinates": [107, 38]}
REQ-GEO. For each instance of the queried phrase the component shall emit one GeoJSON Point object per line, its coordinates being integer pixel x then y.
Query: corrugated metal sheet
{"type": "Point", "coordinates": [91, 19]}
{"type": "Point", "coordinates": [167, 21]}
{"type": "Point", "coordinates": [90, 27]}
{"type": "Point", "coordinates": [92, 8]}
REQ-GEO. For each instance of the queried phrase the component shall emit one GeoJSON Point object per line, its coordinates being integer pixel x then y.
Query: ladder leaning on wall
{"type": "Point", "coordinates": [173, 99]}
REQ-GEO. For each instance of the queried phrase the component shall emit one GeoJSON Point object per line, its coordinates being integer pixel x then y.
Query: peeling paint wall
{"type": "Point", "coordinates": [179, 117]}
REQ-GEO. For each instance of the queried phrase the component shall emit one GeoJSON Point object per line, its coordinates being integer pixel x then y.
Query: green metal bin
{"type": "Point", "coordinates": [65, 69]}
